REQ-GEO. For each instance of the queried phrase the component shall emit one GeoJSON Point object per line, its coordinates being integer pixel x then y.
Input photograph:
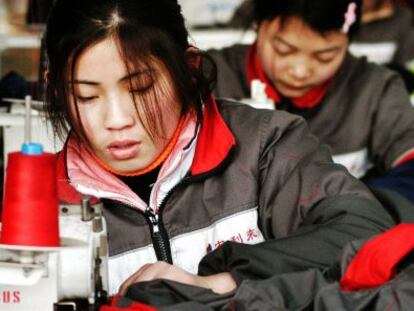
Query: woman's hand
{"type": "Point", "coordinates": [219, 283]}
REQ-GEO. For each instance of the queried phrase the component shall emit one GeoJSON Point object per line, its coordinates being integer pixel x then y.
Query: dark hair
{"type": "Point", "coordinates": [321, 15]}
{"type": "Point", "coordinates": [144, 30]}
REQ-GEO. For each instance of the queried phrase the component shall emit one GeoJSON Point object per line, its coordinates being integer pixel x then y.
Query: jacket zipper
{"type": "Point", "coordinates": [159, 240]}
{"type": "Point", "coordinates": [159, 235]}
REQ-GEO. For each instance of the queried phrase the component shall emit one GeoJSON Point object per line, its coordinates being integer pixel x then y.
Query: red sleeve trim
{"type": "Point", "coordinates": [375, 262]}
{"type": "Point", "coordinates": [404, 158]}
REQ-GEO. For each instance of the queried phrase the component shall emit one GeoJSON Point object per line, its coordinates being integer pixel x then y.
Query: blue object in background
{"type": "Point", "coordinates": [399, 179]}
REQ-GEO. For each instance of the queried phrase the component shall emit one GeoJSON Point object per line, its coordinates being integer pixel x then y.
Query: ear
{"type": "Point", "coordinates": [193, 57]}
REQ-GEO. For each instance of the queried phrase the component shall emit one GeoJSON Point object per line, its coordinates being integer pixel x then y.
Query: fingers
{"type": "Point", "coordinates": [134, 278]}
{"type": "Point", "coordinates": [163, 270]}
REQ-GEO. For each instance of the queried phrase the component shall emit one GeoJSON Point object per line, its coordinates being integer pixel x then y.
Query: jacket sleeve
{"type": "Point", "coordinates": [392, 138]}
{"type": "Point", "coordinates": [231, 77]}
{"type": "Point", "coordinates": [405, 51]}
{"type": "Point", "coordinates": [392, 141]}
{"type": "Point", "coordinates": [309, 208]}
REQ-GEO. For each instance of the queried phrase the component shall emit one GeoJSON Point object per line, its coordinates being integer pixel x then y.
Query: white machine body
{"type": "Point", "coordinates": [42, 279]}
{"type": "Point", "coordinates": [258, 97]}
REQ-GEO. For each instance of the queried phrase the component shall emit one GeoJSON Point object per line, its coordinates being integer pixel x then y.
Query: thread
{"type": "Point", "coordinates": [30, 203]}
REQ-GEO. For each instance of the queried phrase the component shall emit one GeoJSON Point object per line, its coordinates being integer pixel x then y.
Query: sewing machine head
{"type": "Point", "coordinates": [70, 277]}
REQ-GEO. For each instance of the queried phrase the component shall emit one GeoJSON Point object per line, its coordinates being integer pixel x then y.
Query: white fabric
{"type": "Point", "coordinates": [356, 162]}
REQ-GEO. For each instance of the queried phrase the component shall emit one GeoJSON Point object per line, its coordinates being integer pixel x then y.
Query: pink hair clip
{"type": "Point", "coordinates": [350, 17]}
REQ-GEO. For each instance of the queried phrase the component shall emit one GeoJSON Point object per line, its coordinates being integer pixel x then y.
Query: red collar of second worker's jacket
{"type": "Point", "coordinates": [254, 71]}
{"type": "Point", "coordinates": [214, 142]}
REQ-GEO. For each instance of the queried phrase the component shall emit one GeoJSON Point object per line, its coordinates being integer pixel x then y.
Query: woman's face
{"type": "Point", "coordinates": [104, 92]}
{"type": "Point", "coordinates": [296, 58]}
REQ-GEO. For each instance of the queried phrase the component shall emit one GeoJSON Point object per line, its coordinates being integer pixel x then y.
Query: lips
{"type": "Point", "coordinates": [124, 150]}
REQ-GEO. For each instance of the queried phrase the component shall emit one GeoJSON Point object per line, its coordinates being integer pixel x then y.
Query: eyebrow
{"type": "Point", "coordinates": [330, 49]}
{"type": "Point", "coordinates": [88, 82]}
{"type": "Point", "coordinates": [123, 79]}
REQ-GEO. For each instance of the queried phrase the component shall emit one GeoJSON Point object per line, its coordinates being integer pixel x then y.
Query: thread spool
{"type": "Point", "coordinates": [30, 204]}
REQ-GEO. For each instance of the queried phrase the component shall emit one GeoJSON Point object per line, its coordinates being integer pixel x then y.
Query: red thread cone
{"type": "Point", "coordinates": [30, 204]}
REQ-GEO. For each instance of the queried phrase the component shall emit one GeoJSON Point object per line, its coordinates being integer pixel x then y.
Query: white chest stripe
{"type": "Point", "coordinates": [123, 266]}
{"type": "Point", "coordinates": [188, 249]}
{"type": "Point", "coordinates": [356, 162]}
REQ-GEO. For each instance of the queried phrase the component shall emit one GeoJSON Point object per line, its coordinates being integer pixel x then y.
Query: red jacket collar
{"type": "Point", "coordinates": [215, 140]}
{"type": "Point", "coordinates": [254, 71]}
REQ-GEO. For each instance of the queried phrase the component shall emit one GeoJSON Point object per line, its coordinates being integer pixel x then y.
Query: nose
{"type": "Point", "coordinates": [120, 112]}
{"type": "Point", "coordinates": [300, 71]}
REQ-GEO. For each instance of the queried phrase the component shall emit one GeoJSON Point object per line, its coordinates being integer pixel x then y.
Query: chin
{"type": "Point", "coordinates": [293, 94]}
{"type": "Point", "coordinates": [126, 166]}
{"type": "Point", "coordinates": [129, 168]}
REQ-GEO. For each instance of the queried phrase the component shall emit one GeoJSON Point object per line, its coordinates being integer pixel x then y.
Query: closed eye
{"type": "Point", "coordinates": [142, 83]}
{"type": "Point", "coordinates": [140, 90]}
{"type": "Point", "coordinates": [325, 60]}
{"type": "Point", "coordinates": [85, 99]}
{"type": "Point", "coordinates": [326, 56]}
{"type": "Point", "coordinates": [282, 49]}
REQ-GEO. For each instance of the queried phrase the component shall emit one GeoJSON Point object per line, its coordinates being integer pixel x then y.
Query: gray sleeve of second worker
{"type": "Point", "coordinates": [231, 78]}
{"type": "Point", "coordinates": [393, 124]}
{"type": "Point", "coordinates": [311, 188]}
{"type": "Point", "coordinates": [405, 52]}
{"type": "Point", "coordinates": [309, 209]}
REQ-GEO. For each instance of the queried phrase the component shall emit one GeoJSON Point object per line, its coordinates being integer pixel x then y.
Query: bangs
{"type": "Point", "coordinates": [149, 72]}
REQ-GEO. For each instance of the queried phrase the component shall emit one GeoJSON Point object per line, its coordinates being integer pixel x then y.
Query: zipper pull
{"type": "Point", "coordinates": [153, 218]}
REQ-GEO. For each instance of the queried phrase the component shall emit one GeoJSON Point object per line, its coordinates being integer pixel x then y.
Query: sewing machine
{"type": "Point", "coordinates": [70, 277]}
{"type": "Point", "coordinates": [258, 97]}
